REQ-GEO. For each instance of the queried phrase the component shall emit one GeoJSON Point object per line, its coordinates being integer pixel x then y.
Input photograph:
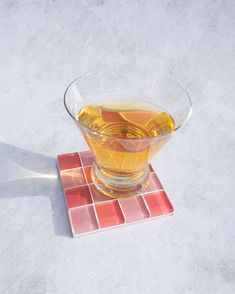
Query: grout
{"type": "Point", "coordinates": [143, 207]}
{"type": "Point", "coordinates": [93, 201]}
{"type": "Point", "coordinates": [71, 169]}
{"type": "Point", "coordinates": [80, 158]}
{"type": "Point", "coordinates": [142, 200]}
{"type": "Point", "coordinates": [125, 221]}
{"type": "Point", "coordinates": [125, 224]}
{"type": "Point", "coordinates": [146, 204]}
{"type": "Point", "coordinates": [67, 155]}
{"type": "Point", "coordinates": [80, 206]}
{"type": "Point", "coordinates": [71, 222]}
{"type": "Point", "coordinates": [149, 192]}
{"type": "Point", "coordinates": [77, 186]}
{"type": "Point", "coordinates": [111, 199]}
{"type": "Point", "coordinates": [83, 166]}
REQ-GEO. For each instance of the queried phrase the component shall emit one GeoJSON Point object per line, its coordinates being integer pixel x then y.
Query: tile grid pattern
{"type": "Point", "coordinates": [92, 198]}
{"type": "Point", "coordinates": [89, 210]}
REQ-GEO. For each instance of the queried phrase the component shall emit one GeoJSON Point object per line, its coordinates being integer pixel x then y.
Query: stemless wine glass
{"type": "Point", "coordinates": [121, 166]}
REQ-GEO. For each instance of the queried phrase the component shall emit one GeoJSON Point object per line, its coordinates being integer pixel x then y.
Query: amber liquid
{"type": "Point", "coordinates": [115, 124]}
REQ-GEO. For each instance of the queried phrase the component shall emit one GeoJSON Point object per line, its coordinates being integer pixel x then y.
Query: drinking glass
{"type": "Point", "coordinates": [121, 166]}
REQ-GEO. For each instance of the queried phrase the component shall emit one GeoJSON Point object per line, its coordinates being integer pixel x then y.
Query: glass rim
{"type": "Point", "coordinates": [130, 139]}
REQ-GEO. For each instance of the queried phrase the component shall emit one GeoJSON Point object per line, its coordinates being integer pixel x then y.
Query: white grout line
{"type": "Point", "coordinates": [111, 199]}
{"type": "Point", "coordinates": [80, 207]}
{"type": "Point", "coordinates": [124, 224]}
{"type": "Point", "coordinates": [149, 192]}
{"type": "Point", "coordinates": [146, 205]}
{"type": "Point", "coordinates": [83, 165]}
{"type": "Point", "coordinates": [72, 169]}
{"type": "Point", "coordinates": [77, 186]}
{"type": "Point", "coordinates": [125, 221]}
{"type": "Point", "coordinates": [92, 198]}
{"type": "Point", "coordinates": [79, 154]}
{"type": "Point", "coordinates": [71, 223]}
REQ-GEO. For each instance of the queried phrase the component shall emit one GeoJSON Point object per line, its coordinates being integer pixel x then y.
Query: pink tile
{"type": "Point", "coordinates": [134, 208]}
{"type": "Point", "coordinates": [69, 161]}
{"type": "Point", "coordinates": [158, 203]}
{"type": "Point", "coordinates": [154, 184]}
{"type": "Point", "coordinates": [87, 158]}
{"type": "Point", "coordinates": [78, 196]}
{"type": "Point", "coordinates": [73, 178]}
{"type": "Point", "coordinates": [83, 219]}
{"type": "Point", "coordinates": [109, 214]}
{"type": "Point", "coordinates": [98, 196]}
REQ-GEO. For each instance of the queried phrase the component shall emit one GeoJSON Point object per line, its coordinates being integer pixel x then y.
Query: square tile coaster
{"type": "Point", "coordinates": [89, 210]}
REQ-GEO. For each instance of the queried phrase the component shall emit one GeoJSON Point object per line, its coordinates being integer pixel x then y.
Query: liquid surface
{"type": "Point", "coordinates": [126, 124]}
{"type": "Point", "coordinates": [113, 153]}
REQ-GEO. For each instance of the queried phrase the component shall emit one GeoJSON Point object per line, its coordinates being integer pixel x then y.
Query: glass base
{"type": "Point", "coordinates": [118, 185]}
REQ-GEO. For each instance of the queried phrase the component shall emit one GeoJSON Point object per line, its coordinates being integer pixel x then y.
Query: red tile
{"type": "Point", "coordinates": [83, 220]}
{"type": "Point", "coordinates": [73, 178]}
{"type": "Point", "coordinates": [154, 184]}
{"type": "Point", "coordinates": [151, 168]}
{"type": "Point", "coordinates": [158, 203]}
{"type": "Point", "coordinates": [69, 161]}
{"type": "Point", "coordinates": [109, 214]}
{"type": "Point", "coordinates": [87, 158]}
{"type": "Point", "coordinates": [78, 196]}
{"type": "Point", "coordinates": [88, 174]}
{"type": "Point", "coordinates": [134, 208]}
{"type": "Point", "coordinates": [97, 195]}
